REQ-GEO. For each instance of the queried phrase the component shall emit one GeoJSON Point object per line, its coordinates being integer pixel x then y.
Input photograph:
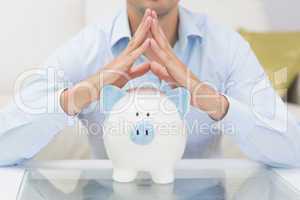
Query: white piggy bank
{"type": "Point", "coordinates": [144, 130]}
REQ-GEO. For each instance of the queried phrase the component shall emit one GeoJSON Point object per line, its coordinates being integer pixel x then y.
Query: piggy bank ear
{"type": "Point", "coordinates": [109, 96]}
{"type": "Point", "coordinates": [181, 98]}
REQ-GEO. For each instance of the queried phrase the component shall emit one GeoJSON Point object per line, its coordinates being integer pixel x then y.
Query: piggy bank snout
{"type": "Point", "coordinates": [142, 133]}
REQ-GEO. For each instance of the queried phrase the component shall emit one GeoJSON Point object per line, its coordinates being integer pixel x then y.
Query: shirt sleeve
{"type": "Point", "coordinates": [35, 116]}
{"type": "Point", "coordinates": [32, 119]}
{"type": "Point", "coordinates": [257, 117]}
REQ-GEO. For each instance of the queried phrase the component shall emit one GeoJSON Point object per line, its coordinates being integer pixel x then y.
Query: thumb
{"type": "Point", "coordinates": [138, 71]}
{"type": "Point", "coordinates": [161, 72]}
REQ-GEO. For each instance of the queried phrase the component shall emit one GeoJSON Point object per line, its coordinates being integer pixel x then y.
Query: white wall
{"type": "Point", "coordinates": [96, 10]}
{"type": "Point", "coordinates": [260, 15]}
{"type": "Point", "coordinates": [30, 30]}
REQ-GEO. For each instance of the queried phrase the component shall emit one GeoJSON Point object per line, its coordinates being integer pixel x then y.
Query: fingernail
{"type": "Point", "coordinates": [148, 11]}
{"type": "Point", "coordinates": [149, 19]}
{"type": "Point", "coordinates": [154, 14]}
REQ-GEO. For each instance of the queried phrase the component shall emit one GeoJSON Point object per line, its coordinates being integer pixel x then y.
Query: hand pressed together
{"type": "Point", "coordinates": [149, 40]}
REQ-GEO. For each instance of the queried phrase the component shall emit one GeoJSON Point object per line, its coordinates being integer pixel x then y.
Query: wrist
{"type": "Point", "coordinates": [74, 99]}
{"type": "Point", "coordinates": [222, 108]}
{"type": "Point", "coordinates": [65, 103]}
{"type": "Point", "coordinates": [96, 82]}
{"type": "Point", "coordinates": [193, 85]}
{"type": "Point", "coordinates": [209, 100]}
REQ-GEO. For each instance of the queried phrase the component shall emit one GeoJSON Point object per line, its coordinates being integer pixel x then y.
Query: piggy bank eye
{"type": "Point", "coordinates": [148, 114]}
{"type": "Point", "coordinates": [137, 114]}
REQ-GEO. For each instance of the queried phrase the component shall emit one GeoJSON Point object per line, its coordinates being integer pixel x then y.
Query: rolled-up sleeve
{"type": "Point", "coordinates": [31, 121]}
{"type": "Point", "coordinates": [35, 116]}
{"type": "Point", "coordinates": [257, 117]}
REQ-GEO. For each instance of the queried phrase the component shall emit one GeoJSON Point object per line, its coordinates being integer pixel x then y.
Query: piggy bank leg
{"type": "Point", "coordinates": [124, 175]}
{"type": "Point", "coordinates": [163, 176]}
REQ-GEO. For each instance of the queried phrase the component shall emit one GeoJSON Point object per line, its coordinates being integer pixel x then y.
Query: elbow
{"type": "Point", "coordinates": [283, 164]}
{"type": "Point", "coordinates": [286, 162]}
{"type": "Point", "coordinates": [10, 162]}
{"type": "Point", "coordinates": [5, 163]}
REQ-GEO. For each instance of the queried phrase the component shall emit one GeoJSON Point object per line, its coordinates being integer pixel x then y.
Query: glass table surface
{"type": "Point", "coordinates": [237, 183]}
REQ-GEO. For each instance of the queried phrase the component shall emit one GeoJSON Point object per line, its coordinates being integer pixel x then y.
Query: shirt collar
{"type": "Point", "coordinates": [188, 27]}
{"type": "Point", "coordinates": [120, 28]}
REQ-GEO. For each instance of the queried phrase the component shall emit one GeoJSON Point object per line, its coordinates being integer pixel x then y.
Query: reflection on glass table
{"type": "Point", "coordinates": [190, 184]}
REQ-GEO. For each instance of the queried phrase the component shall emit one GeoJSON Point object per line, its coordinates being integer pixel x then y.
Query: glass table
{"type": "Point", "coordinates": [195, 180]}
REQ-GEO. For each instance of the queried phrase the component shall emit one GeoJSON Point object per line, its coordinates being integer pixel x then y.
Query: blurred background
{"type": "Point", "coordinates": [31, 30]}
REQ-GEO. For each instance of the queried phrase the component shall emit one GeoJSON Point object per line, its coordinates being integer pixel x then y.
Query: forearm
{"type": "Point", "coordinates": [272, 141]}
{"type": "Point", "coordinates": [24, 141]}
{"type": "Point", "coordinates": [74, 99]}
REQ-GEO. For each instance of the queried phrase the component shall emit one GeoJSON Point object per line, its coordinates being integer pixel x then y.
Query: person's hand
{"type": "Point", "coordinates": [152, 57]}
{"type": "Point", "coordinates": [118, 72]}
{"type": "Point", "coordinates": [168, 68]}
{"type": "Point", "coordinates": [176, 73]}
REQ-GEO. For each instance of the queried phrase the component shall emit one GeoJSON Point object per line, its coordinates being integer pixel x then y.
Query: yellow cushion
{"type": "Point", "coordinates": [279, 54]}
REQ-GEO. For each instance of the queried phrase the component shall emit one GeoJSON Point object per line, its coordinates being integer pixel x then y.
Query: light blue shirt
{"type": "Point", "coordinates": [257, 119]}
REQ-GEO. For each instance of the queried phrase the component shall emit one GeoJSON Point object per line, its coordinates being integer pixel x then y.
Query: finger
{"type": "Point", "coordinates": [144, 19]}
{"type": "Point", "coordinates": [139, 70]}
{"type": "Point", "coordinates": [132, 73]}
{"type": "Point", "coordinates": [141, 32]}
{"type": "Point", "coordinates": [134, 55]}
{"type": "Point", "coordinates": [157, 34]}
{"type": "Point", "coordinates": [154, 14]}
{"type": "Point", "coordinates": [161, 72]}
{"type": "Point", "coordinates": [143, 29]}
{"type": "Point", "coordinates": [149, 34]}
{"type": "Point", "coordinates": [164, 37]}
{"type": "Point", "coordinates": [140, 35]}
{"type": "Point", "coordinates": [145, 24]}
{"type": "Point", "coordinates": [159, 52]}
{"type": "Point", "coordinates": [148, 12]}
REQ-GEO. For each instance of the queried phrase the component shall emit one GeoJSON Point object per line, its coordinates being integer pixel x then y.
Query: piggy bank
{"type": "Point", "coordinates": [144, 130]}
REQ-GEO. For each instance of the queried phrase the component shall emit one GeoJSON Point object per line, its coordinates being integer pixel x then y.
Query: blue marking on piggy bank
{"type": "Point", "coordinates": [142, 133]}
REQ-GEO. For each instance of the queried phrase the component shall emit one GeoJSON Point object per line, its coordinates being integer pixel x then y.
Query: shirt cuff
{"type": "Point", "coordinates": [237, 119]}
